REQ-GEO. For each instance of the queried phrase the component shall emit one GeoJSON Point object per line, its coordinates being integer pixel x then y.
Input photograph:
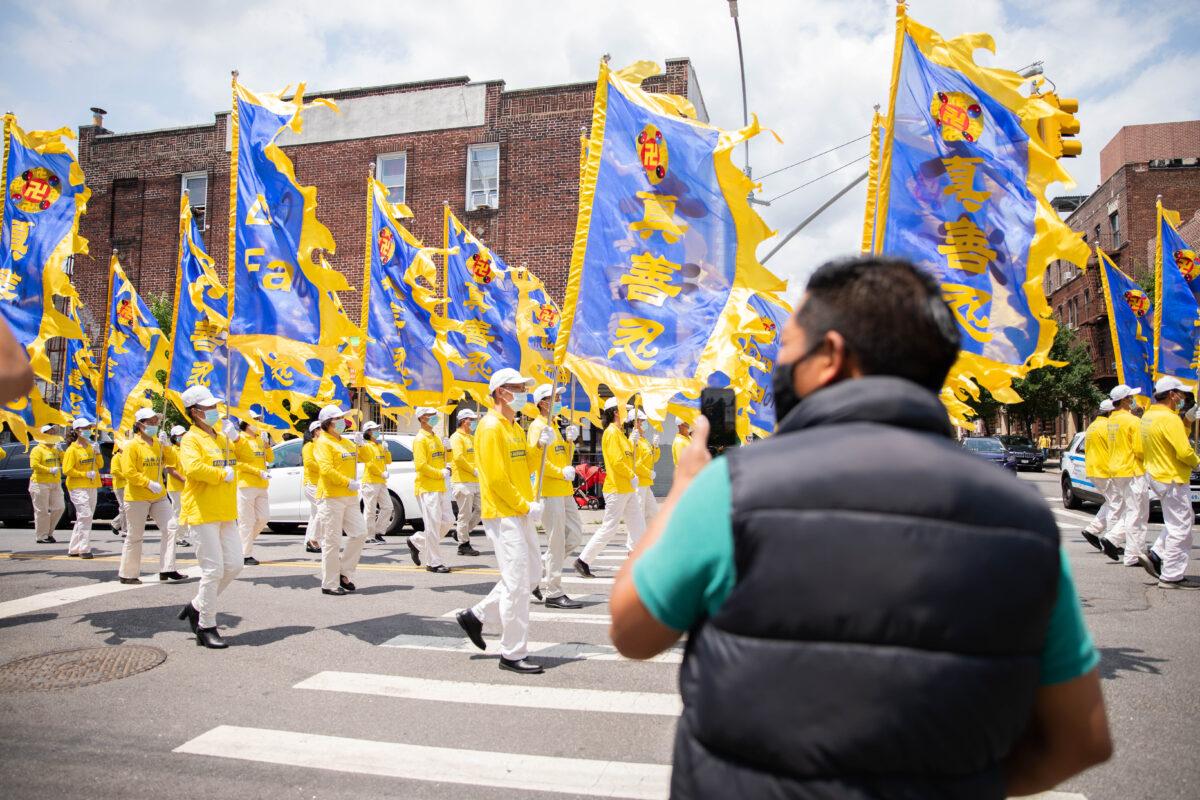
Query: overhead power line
{"type": "Point", "coordinates": [819, 177]}
{"type": "Point", "coordinates": [812, 157]}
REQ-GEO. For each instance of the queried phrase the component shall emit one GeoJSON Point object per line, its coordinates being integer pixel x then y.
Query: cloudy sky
{"type": "Point", "coordinates": [814, 69]}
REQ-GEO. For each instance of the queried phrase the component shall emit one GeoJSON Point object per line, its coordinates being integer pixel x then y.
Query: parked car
{"type": "Point", "coordinates": [1029, 455]}
{"type": "Point", "coordinates": [16, 507]}
{"type": "Point", "coordinates": [991, 449]}
{"type": "Point", "coordinates": [1077, 489]}
{"type": "Point", "coordinates": [290, 508]}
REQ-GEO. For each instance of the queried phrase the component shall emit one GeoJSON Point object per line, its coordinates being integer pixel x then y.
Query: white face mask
{"type": "Point", "coordinates": [518, 401]}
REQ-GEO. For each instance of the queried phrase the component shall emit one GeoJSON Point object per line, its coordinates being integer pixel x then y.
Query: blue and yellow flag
{"type": "Point", "coordinates": [135, 351]}
{"type": "Point", "coordinates": [482, 312]}
{"type": "Point", "coordinates": [406, 350]}
{"type": "Point", "coordinates": [1177, 302]}
{"type": "Point", "coordinates": [764, 315]}
{"type": "Point", "coordinates": [538, 319]}
{"type": "Point", "coordinates": [870, 215]}
{"type": "Point", "coordinates": [665, 234]}
{"type": "Point", "coordinates": [26, 416]}
{"type": "Point", "coordinates": [1130, 323]}
{"type": "Point", "coordinates": [80, 376]}
{"type": "Point", "coordinates": [962, 181]}
{"type": "Point", "coordinates": [44, 197]}
{"type": "Point", "coordinates": [200, 354]}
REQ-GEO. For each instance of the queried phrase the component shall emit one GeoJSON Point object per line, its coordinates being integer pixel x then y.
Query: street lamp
{"type": "Point", "coordinates": [737, 29]}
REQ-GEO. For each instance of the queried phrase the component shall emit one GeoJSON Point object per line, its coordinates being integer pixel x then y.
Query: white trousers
{"type": "Point", "coordinates": [438, 516]}
{"type": "Point", "coordinates": [84, 501]}
{"type": "Point", "coordinates": [176, 507]}
{"type": "Point", "coordinates": [374, 495]}
{"type": "Point", "coordinates": [1118, 490]}
{"type": "Point", "coordinates": [564, 532]}
{"type": "Point", "coordinates": [1104, 515]}
{"type": "Point", "coordinates": [131, 551]}
{"type": "Point", "coordinates": [254, 512]}
{"type": "Point", "coordinates": [617, 507]}
{"type": "Point", "coordinates": [515, 540]}
{"type": "Point", "coordinates": [337, 514]}
{"type": "Point", "coordinates": [120, 521]}
{"type": "Point", "coordinates": [48, 507]}
{"type": "Point", "coordinates": [312, 533]}
{"type": "Point", "coordinates": [469, 508]}
{"type": "Point", "coordinates": [1135, 518]}
{"type": "Point", "coordinates": [649, 504]}
{"type": "Point", "coordinates": [1174, 544]}
{"type": "Point", "coordinates": [219, 551]}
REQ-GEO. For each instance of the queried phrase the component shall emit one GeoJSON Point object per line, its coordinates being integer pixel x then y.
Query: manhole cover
{"type": "Point", "coordinates": [67, 669]}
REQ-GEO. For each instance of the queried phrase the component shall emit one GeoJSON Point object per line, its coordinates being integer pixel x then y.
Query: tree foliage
{"type": "Point", "coordinates": [1046, 392]}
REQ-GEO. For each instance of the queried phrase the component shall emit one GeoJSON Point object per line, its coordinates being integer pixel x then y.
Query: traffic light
{"type": "Point", "coordinates": [1054, 133]}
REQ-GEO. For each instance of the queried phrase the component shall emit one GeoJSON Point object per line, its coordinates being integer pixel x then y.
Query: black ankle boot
{"type": "Point", "coordinates": [190, 613]}
{"type": "Point", "coordinates": [208, 637]}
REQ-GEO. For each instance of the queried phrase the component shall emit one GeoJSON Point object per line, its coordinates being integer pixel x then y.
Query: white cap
{"type": "Point", "coordinates": [1107, 405]}
{"type": "Point", "coordinates": [424, 411]}
{"type": "Point", "coordinates": [330, 412]}
{"type": "Point", "coordinates": [199, 396]}
{"type": "Point", "coordinates": [144, 413]}
{"type": "Point", "coordinates": [1122, 391]}
{"type": "Point", "coordinates": [48, 428]}
{"type": "Point", "coordinates": [611, 403]}
{"type": "Point", "coordinates": [314, 425]}
{"type": "Point", "coordinates": [543, 391]}
{"type": "Point", "coordinates": [252, 414]}
{"type": "Point", "coordinates": [82, 422]}
{"type": "Point", "coordinates": [467, 413]}
{"type": "Point", "coordinates": [370, 426]}
{"type": "Point", "coordinates": [1169, 384]}
{"type": "Point", "coordinates": [641, 414]}
{"type": "Point", "coordinates": [506, 377]}
{"type": "Point", "coordinates": [178, 430]}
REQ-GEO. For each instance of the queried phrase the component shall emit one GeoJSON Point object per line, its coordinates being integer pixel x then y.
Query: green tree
{"type": "Point", "coordinates": [986, 409]}
{"type": "Point", "coordinates": [1048, 391]}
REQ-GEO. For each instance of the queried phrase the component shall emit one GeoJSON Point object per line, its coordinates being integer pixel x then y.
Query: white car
{"type": "Point", "coordinates": [1077, 489]}
{"type": "Point", "coordinates": [290, 508]}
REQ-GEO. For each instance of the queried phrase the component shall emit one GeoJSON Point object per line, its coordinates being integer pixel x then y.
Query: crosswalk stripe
{"type": "Point", "coordinates": [524, 696]}
{"type": "Point", "coordinates": [62, 597]}
{"type": "Point", "coordinates": [1072, 514]}
{"type": "Point", "coordinates": [566, 651]}
{"type": "Point", "coordinates": [441, 764]}
{"type": "Point", "coordinates": [566, 617]}
{"type": "Point", "coordinates": [575, 579]}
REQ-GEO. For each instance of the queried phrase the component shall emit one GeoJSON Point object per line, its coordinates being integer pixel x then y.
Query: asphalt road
{"type": "Point", "coordinates": [376, 694]}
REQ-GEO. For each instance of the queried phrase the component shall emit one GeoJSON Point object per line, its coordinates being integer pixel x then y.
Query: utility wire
{"type": "Point", "coordinates": [810, 158]}
{"type": "Point", "coordinates": [819, 177]}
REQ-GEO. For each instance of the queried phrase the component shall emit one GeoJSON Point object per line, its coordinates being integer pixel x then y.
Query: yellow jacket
{"type": "Point", "coordinates": [375, 457]}
{"type": "Point", "coordinates": [206, 496]}
{"type": "Point", "coordinates": [312, 474]}
{"type": "Point", "coordinates": [252, 456]}
{"type": "Point", "coordinates": [645, 457]}
{"type": "Point", "coordinates": [42, 459]}
{"type": "Point", "coordinates": [677, 447]}
{"type": "Point", "coordinates": [1169, 455]}
{"type": "Point", "coordinates": [1095, 449]}
{"type": "Point", "coordinates": [504, 486]}
{"type": "Point", "coordinates": [78, 461]}
{"type": "Point", "coordinates": [429, 460]}
{"type": "Point", "coordinates": [337, 463]}
{"type": "Point", "coordinates": [618, 460]}
{"type": "Point", "coordinates": [143, 465]}
{"type": "Point", "coordinates": [462, 458]}
{"type": "Point", "coordinates": [117, 469]}
{"type": "Point", "coordinates": [559, 457]}
{"type": "Point", "coordinates": [1124, 445]}
{"type": "Point", "coordinates": [170, 460]}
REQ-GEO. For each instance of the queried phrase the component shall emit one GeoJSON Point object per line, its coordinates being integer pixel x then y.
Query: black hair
{"type": "Point", "coordinates": [608, 416]}
{"type": "Point", "coordinates": [890, 313]}
{"type": "Point", "coordinates": [242, 425]}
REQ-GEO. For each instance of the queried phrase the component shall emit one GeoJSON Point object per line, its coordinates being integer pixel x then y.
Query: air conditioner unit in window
{"type": "Point", "coordinates": [482, 207]}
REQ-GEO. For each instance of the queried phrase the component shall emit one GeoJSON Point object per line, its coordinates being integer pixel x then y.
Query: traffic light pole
{"type": "Point", "coordinates": [814, 215]}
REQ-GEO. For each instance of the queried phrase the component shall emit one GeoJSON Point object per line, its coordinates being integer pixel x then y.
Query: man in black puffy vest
{"type": "Point", "coordinates": [872, 612]}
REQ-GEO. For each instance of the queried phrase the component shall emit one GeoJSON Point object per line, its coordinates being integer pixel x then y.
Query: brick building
{"type": "Point", "coordinates": [506, 160]}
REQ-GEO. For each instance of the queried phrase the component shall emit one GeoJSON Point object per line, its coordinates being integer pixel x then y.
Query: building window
{"type": "Point", "coordinates": [391, 169]}
{"type": "Point", "coordinates": [1114, 224]}
{"type": "Point", "coordinates": [1097, 232]}
{"type": "Point", "coordinates": [483, 176]}
{"type": "Point", "coordinates": [196, 186]}
{"type": "Point", "coordinates": [1087, 299]}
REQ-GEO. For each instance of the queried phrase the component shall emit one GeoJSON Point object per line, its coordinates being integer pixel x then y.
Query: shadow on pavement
{"type": "Point", "coordinates": [469, 588]}
{"type": "Point", "coordinates": [301, 581]}
{"type": "Point", "coordinates": [380, 629]}
{"type": "Point", "coordinates": [145, 622]}
{"type": "Point", "coordinates": [25, 619]}
{"type": "Point", "coordinates": [1115, 660]}
{"type": "Point", "coordinates": [269, 635]}
{"type": "Point", "coordinates": [380, 589]}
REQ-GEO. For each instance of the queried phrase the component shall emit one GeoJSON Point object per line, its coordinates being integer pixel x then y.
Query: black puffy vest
{"type": "Point", "coordinates": [893, 594]}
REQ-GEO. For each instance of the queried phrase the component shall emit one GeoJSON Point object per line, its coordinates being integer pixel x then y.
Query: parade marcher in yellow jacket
{"type": "Point", "coordinates": [620, 489]}
{"type": "Point", "coordinates": [146, 496]}
{"type": "Point", "coordinates": [45, 485]}
{"type": "Point", "coordinates": [429, 461]}
{"type": "Point", "coordinates": [1169, 460]}
{"type": "Point", "coordinates": [337, 503]}
{"type": "Point", "coordinates": [682, 439]}
{"type": "Point", "coordinates": [312, 474]}
{"type": "Point", "coordinates": [117, 473]}
{"type": "Point", "coordinates": [510, 518]}
{"type": "Point", "coordinates": [375, 457]}
{"type": "Point", "coordinates": [81, 465]}
{"type": "Point", "coordinates": [560, 515]}
{"type": "Point", "coordinates": [464, 480]}
{"type": "Point", "coordinates": [209, 510]}
{"type": "Point", "coordinates": [1096, 460]}
{"type": "Point", "coordinates": [645, 456]}
{"type": "Point", "coordinates": [175, 483]}
{"type": "Point", "coordinates": [1127, 533]}
{"type": "Point", "coordinates": [252, 449]}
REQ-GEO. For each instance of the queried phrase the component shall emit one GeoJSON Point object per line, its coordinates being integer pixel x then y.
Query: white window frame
{"type": "Point", "coordinates": [203, 205]}
{"type": "Point", "coordinates": [471, 149]}
{"type": "Point", "coordinates": [402, 186]}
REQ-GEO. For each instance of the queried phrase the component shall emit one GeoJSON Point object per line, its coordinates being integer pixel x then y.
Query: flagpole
{"type": "Point", "coordinates": [185, 206]}
{"type": "Point", "coordinates": [231, 282]}
{"type": "Point", "coordinates": [112, 268]}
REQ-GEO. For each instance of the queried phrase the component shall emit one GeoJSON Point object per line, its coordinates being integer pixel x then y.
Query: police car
{"type": "Point", "coordinates": [1077, 489]}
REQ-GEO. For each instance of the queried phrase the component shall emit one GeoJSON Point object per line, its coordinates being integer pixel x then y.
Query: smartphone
{"type": "Point", "coordinates": [719, 407]}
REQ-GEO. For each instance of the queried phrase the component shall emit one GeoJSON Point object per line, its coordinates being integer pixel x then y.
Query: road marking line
{"type": "Point", "coordinates": [1072, 514]}
{"type": "Point", "coordinates": [496, 694]}
{"type": "Point", "coordinates": [566, 651]}
{"type": "Point", "coordinates": [440, 764]}
{"type": "Point", "coordinates": [566, 616]}
{"type": "Point", "coordinates": [62, 597]}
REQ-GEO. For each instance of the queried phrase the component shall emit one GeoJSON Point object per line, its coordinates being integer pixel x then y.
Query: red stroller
{"type": "Point", "coordinates": [589, 481]}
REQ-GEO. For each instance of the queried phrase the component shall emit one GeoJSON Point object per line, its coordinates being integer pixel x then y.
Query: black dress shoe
{"type": "Point", "coordinates": [308, 548]}
{"type": "Point", "coordinates": [346, 583]}
{"type": "Point", "coordinates": [208, 637]}
{"type": "Point", "coordinates": [562, 601]}
{"type": "Point", "coordinates": [250, 561]}
{"type": "Point", "coordinates": [537, 593]}
{"type": "Point", "coordinates": [338, 592]}
{"type": "Point", "coordinates": [48, 540]}
{"type": "Point", "coordinates": [183, 543]}
{"type": "Point", "coordinates": [414, 552]}
{"type": "Point", "coordinates": [582, 569]}
{"type": "Point", "coordinates": [465, 549]}
{"type": "Point", "coordinates": [1155, 560]}
{"type": "Point", "coordinates": [1092, 539]}
{"type": "Point", "coordinates": [172, 576]}
{"type": "Point", "coordinates": [441, 569]}
{"type": "Point", "coordinates": [472, 627]}
{"type": "Point", "coordinates": [190, 613]}
{"type": "Point", "coordinates": [74, 555]}
{"type": "Point", "coordinates": [86, 555]}
{"type": "Point", "coordinates": [1111, 550]}
{"type": "Point", "coordinates": [522, 666]}
{"type": "Point", "coordinates": [130, 581]}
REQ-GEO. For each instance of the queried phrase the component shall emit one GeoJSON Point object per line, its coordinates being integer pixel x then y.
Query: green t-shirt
{"type": "Point", "coordinates": [690, 571]}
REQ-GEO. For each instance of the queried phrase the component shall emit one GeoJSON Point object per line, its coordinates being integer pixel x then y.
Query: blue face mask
{"type": "Point", "coordinates": [150, 430]}
{"type": "Point", "coordinates": [212, 417]}
{"type": "Point", "coordinates": [471, 427]}
{"type": "Point", "coordinates": [339, 425]}
{"type": "Point", "coordinates": [434, 419]}
{"type": "Point", "coordinates": [85, 436]}
{"type": "Point", "coordinates": [519, 399]}
{"type": "Point", "coordinates": [556, 409]}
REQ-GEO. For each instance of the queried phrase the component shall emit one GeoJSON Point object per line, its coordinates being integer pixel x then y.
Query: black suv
{"type": "Point", "coordinates": [1027, 455]}
{"type": "Point", "coordinates": [16, 507]}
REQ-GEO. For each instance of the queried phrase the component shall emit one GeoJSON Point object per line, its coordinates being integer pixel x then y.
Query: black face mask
{"type": "Point", "coordinates": [783, 384]}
